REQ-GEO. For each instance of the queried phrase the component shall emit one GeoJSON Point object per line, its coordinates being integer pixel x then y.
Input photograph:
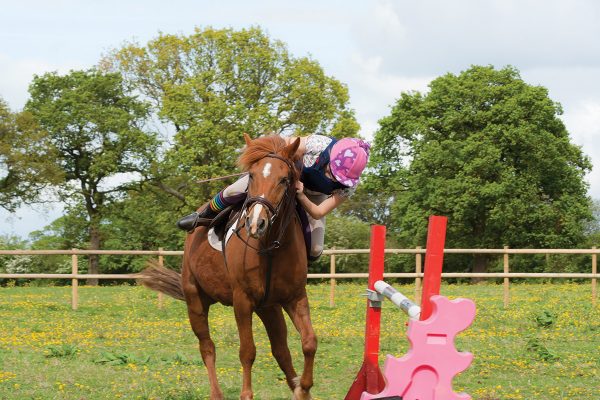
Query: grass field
{"type": "Point", "coordinates": [120, 345]}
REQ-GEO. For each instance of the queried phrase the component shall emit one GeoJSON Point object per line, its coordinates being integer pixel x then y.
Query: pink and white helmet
{"type": "Point", "coordinates": [348, 159]}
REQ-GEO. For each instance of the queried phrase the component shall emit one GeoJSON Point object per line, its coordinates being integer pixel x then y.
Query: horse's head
{"type": "Point", "coordinates": [272, 175]}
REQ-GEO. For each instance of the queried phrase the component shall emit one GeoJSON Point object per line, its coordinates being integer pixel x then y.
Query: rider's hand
{"type": "Point", "coordinates": [299, 187]}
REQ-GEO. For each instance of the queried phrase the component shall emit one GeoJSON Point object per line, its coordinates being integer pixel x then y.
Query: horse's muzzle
{"type": "Point", "coordinates": [256, 226]}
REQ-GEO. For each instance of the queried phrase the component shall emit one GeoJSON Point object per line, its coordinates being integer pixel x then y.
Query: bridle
{"type": "Point", "coordinates": [284, 207]}
{"type": "Point", "coordinates": [274, 211]}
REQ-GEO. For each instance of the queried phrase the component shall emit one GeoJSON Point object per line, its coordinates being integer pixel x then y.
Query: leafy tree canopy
{"type": "Point", "coordinates": [487, 150]}
{"type": "Point", "coordinates": [215, 84]}
{"type": "Point", "coordinates": [96, 129]}
{"type": "Point", "coordinates": [24, 154]}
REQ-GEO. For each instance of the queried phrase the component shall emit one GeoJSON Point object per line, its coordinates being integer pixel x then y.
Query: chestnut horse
{"type": "Point", "coordinates": [263, 271]}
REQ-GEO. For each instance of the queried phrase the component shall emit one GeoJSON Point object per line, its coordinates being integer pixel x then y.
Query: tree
{"type": "Point", "coordinates": [69, 231]}
{"type": "Point", "coordinates": [24, 152]}
{"type": "Point", "coordinates": [13, 264]}
{"type": "Point", "coordinates": [368, 205]}
{"type": "Point", "coordinates": [344, 232]}
{"type": "Point", "coordinates": [127, 228]}
{"type": "Point", "coordinates": [487, 150]}
{"type": "Point", "coordinates": [97, 131]}
{"type": "Point", "coordinates": [593, 228]}
{"type": "Point", "coordinates": [213, 85]}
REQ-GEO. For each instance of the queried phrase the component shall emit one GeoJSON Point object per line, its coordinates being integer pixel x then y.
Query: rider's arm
{"type": "Point", "coordinates": [321, 210]}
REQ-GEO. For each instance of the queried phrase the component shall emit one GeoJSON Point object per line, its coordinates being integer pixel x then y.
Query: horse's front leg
{"type": "Point", "coordinates": [300, 314]}
{"type": "Point", "coordinates": [243, 317]}
{"type": "Point", "coordinates": [274, 322]}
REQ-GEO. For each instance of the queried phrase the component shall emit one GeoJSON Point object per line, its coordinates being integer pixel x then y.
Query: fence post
{"type": "Point", "coordinates": [418, 269]}
{"type": "Point", "coordinates": [74, 281]}
{"type": "Point", "coordinates": [161, 263]}
{"type": "Point", "coordinates": [332, 280]}
{"type": "Point", "coordinates": [594, 271]}
{"type": "Point", "coordinates": [506, 280]}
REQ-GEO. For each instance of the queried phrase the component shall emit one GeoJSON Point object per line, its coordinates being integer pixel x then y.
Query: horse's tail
{"type": "Point", "coordinates": [162, 280]}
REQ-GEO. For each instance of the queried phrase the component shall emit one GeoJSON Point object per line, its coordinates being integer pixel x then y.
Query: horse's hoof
{"type": "Point", "coordinates": [301, 394]}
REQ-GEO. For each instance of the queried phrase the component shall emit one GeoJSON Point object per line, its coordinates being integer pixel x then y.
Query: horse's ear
{"type": "Point", "coordinates": [247, 139]}
{"type": "Point", "coordinates": [291, 148]}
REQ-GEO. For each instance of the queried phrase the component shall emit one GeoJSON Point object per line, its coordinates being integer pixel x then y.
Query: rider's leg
{"type": "Point", "coordinates": [232, 194]}
{"type": "Point", "coordinates": [317, 238]}
{"type": "Point", "coordinates": [317, 230]}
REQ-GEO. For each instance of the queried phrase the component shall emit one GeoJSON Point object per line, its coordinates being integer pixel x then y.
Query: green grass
{"type": "Point", "coordinates": [546, 345]}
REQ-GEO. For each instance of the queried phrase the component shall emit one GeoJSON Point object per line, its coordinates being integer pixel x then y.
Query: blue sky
{"type": "Point", "coordinates": [379, 48]}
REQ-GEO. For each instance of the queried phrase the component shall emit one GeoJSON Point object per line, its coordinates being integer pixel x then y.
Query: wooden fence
{"type": "Point", "coordinates": [332, 275]}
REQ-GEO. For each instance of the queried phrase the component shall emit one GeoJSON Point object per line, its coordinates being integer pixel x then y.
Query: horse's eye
{"type": "Point", "coordinates": [251, 176]}
{"type": "Point", "coordinates": [284, 181]}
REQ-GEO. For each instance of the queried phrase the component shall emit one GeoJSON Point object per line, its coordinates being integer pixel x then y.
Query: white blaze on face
{"type": "Point", "coordinates": [267, 170]}
{"type": "Point", "coordinates": [257, 209]}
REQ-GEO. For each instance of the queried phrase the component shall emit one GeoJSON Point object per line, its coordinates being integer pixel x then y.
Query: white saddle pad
{"type": "Point", "coordinates": [214, 241]}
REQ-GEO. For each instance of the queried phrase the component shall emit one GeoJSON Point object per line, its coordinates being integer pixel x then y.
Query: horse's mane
{"type": "Point", "coordinates": [259, 149]}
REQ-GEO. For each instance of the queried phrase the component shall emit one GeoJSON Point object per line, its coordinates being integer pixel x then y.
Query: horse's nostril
{"type": "Point", "coordinates": [262, 224]}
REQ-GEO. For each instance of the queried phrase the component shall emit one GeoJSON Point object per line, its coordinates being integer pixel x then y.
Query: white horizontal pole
{"type": "Point", "coordinates": [398, 299]}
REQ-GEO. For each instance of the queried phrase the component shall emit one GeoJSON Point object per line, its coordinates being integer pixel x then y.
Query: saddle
{"type": "Point", "coordinates": [225, 219]}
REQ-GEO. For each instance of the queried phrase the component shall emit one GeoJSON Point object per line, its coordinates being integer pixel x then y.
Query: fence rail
{"type": "Point", "coordinates": [75, 276]}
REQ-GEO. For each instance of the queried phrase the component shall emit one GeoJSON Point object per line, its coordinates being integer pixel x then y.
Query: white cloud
{"type": "Point", "coordinates": [388, 22]}
{"type": "Point", "coordinates": [373, 92]}
{"type": "Point", "coordinates": [434, 37]}
{"type": "Point", "coordinates": [569, 86]}
{"type": "Point", "coordinates": [583, 123]}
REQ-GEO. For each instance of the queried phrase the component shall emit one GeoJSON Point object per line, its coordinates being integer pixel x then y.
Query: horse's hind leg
{"type": "Point", "coordinates": [300, 315]}
{"type": "Point", "coordinates": [198, 305]}
{"type": "Point", "coordinates": [272, 318]}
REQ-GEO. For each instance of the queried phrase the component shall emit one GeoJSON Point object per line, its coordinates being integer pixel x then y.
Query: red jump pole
{"type": "Point", "coordinates": [370, 378]}
{"type": "Point", "coordinates": [434, 258]}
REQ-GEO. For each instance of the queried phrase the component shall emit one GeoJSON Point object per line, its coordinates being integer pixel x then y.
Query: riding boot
{"type": "Point", "coordinates": [195, 219]}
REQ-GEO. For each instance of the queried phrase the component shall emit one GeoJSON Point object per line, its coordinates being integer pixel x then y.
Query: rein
{"type": "Point", "coordinates": [284, 207]}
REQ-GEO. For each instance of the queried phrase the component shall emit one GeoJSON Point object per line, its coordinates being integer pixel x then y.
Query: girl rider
{"type": "Point", "coordinates": [331, 171]}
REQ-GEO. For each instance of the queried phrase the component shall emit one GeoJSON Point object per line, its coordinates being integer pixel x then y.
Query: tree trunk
{"type": "Point", "coordinates": [94, 258]}
{"type": "Point", "coordinates": [480, 265]}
